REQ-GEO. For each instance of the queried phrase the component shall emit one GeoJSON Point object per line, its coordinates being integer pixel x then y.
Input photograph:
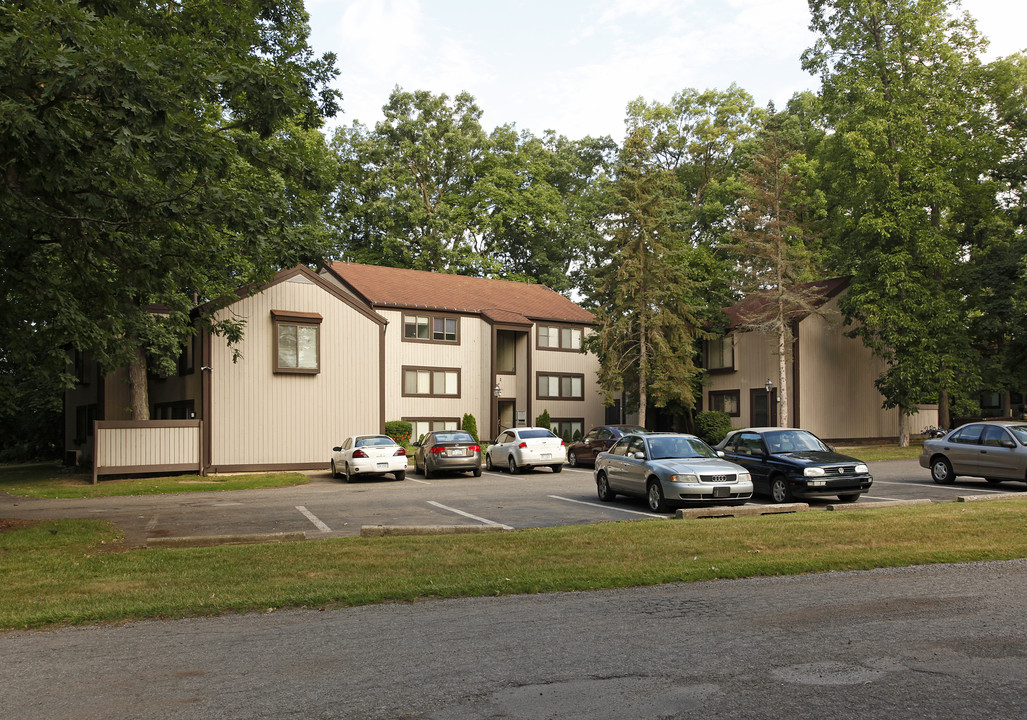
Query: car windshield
{"type": "Point", "coordinates": [786, 441]}
{"type": "Point", "coordinates": [679, 447]}
{"type": "Point", "coordinates": [374, 441]}
{"type": "Point", "coordinates": [1019, 432]}
{"type": "Point", "coordinates": [453, 437]}
{"type": "Point", "coordinates": [529, 434]}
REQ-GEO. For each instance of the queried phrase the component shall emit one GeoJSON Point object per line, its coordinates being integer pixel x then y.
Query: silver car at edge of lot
{"type": "Point", "coordinates": [994, 450]}
{"type": "Point", "coordinates": [369, 455]}
{"type": "Point", "coordinates": [670, 469]}
{"type": "Point", "coordinates": [526, 447]}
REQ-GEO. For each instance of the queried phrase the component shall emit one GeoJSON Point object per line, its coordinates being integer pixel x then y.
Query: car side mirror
{"type": "Point", "coordinates": [638, 455]}
{"type": "Point", "coordinates": [1009, 444]}
{"type": "Point", "coordinates": [336, 449]}
{"type": "Point", "coordinates": [720, 453]}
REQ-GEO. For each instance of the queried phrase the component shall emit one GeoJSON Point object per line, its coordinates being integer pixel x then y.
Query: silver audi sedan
{"type": "Point", "coordinates": [670, 469]}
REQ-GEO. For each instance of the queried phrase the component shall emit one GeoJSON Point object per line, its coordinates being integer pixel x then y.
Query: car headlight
{"type": "Point", "coordinates": [813, 472]}
{"type": "Point", "coordinates": [862, 469]}
{"type": "Point", "coordinates": [683, 478]}
{"type": "Point", "coordinates": [743, 477]}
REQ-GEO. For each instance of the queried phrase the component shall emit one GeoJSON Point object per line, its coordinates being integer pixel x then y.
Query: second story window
{"type": "Point", "coordinates": [554, 337]}
{"type": "Point", "coordinates": [431, 382]}
{"type": "Point", "coordinates": [297, 342]}
{"type": "Point", "coordinates": [720, 353]}
{"type": "Point", "coordinates": [431, 328]}
{"type": "Point", "coordinates": [561, 387]}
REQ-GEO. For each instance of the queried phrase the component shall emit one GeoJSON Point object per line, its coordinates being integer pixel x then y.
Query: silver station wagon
{"type": "Point", "coordinates": [670, 469]}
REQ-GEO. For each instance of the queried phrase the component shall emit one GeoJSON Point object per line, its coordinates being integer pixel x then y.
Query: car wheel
{"type": "Point", "coordinates": [941, 471]}
{"type": "Point", "coordinates": [477, 472]}
{"type": "Point", "coordinates": [488, 463]}
{"type": "Point", "coordinates": [779, 491]}
{"type": "Point", "coordinates": [427, 472]}
{"type": "Point", "coordinates": [603, 488]}
{"type": "Point", "coordinates": [401, 475]}
{"type": "Point", "coordinates": [345, 469]}
{"type": "Point", "coordinates": [335, 473]}
{"type": "Point", "coordinates": [557, 468]}
{"type": "Point", "coordinates": [849, 497]}
{"type": "Point", "coordinates": [654, 494]}
{"type": "Point", "coordinates": [572, 459]}
{"type": "Point", "coordinates": [512, 464]}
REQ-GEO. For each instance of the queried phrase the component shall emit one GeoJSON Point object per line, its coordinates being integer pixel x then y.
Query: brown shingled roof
{"type": "Point", "coordinates": [755, 305]}
{"type": "Point", "coordinates": [499, 300]}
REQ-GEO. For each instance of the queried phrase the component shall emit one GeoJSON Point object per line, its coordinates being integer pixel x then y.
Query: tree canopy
{"type": "Point", "coordinates": [153, 154]}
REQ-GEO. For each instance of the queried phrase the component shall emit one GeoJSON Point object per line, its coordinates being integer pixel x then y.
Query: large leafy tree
{"type": "Point", "coordinates": [903, 92]}
{"type": "Point", "coordinates": [429, 189]}
{"type": "Point", "coordinates": [152, 153]}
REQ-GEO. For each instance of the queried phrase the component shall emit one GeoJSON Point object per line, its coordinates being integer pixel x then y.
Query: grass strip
{"type": "Point", "coordinates": [49, 480]}
{"type": "Point", "coordinates": [73, 571]}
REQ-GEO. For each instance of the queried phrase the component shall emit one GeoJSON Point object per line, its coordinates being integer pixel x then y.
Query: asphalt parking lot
{"type": "Point", "coordinates": [330, 508]}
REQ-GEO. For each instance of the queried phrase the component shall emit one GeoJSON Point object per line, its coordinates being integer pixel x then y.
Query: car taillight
{"type": "Point", "coordinates": [474, 448]}
{"type": "Point", "coordinates": [523, 445]}
{"type": "Point", "coordinates": [401, 451]}
{"type": "Point", "coordinates": [437, 450]}
{"type": "Point", "coordinates": [562, 442]}
{"type": "Point", "coordinates": [359, 453]}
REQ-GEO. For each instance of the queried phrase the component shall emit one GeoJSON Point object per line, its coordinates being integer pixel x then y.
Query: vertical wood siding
{"type": "Point", "coordinates": [146, 446]}
{"type": "Point", "coordinates": [263, 418]}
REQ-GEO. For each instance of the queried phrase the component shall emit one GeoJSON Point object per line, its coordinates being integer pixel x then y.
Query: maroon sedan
{"type": "Point", "coordinates": [598, 439]}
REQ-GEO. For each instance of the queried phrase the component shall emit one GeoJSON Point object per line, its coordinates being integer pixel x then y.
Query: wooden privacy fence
{"type": "Point", "coordinates": [146, 446]}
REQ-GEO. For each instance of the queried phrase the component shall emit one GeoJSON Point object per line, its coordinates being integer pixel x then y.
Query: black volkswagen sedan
{"type": "Point", "coordinates": [789, 464]}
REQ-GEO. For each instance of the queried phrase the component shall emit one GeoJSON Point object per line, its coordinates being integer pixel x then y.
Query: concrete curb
{"type": "Point", "coordinates": [882, 504]}
{"type": "Point", "coordinates": [383, 530]}
{"type": "Point", "coordinates": [207, 540]}
{"type": "Point", "coordinates": [985, 498]}
{"type": "Point", "coordinates": [738, 511]}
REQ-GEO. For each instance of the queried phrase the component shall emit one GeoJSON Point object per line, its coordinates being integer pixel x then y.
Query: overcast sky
{"type": "Point", "coordinates": [573, 65]}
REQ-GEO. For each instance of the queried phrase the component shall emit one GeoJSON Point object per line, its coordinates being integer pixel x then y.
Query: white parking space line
{"type": "Point", "coordinates": [314, 519]}
{"type": "Point", "coordinates": [468, 515]}
{"type": "Point", "coordinates": [960, 488]}
{"type": "Point", "coordinates": [607, 506]}
{"type": "Point", "coordinates": [878, 497]}
{"type": "Point", "coordinates": [423, 482]}
{"type": "Point", "coordinates": [152, 525]}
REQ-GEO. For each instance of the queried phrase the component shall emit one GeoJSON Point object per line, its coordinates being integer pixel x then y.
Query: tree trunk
{"type": "Point", "coordinates": [944, 410]}
{"type": "Point", "coordinates": [139, 396]}
{"type": "Point", "coordinates": [782, 381]}
{"type": "Point", "coordinates": [903, 428]}
{"type": "Point", "coordinates": [642, 359]}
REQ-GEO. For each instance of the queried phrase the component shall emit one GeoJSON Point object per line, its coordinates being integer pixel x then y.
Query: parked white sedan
{"type": "Point", "coordinates": [369, 455]}
{"type": "Point", "coordinates": [526, 447]}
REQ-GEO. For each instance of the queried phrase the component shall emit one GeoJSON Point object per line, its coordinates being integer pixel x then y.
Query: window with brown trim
{"type": "Point", "coordinates": [431, 382]}
{"type": "Point", "coordinates": [726, 401]}
{"type": "Point", "coordinates": [421, 426]}
{"type": "Point", "coordinates": [559, 337]}
{"type": "Point", "coordinates": [569, 429]}
{"type": "Point", "coordinates": [561, 387]}
{"type": "Point", "coordinates": [720, 354]}
{"type": "Point", "coordinates": [431, 328]}
{"type": "Point", "coordinates": [297, 342]}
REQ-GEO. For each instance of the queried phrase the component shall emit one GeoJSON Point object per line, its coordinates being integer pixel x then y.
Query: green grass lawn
{"type": "Point", "coordinates": [877, 453]}
{"type": "Point", "coordinates": [76, 571]}
{"type": "Point", "coordinates": [51, 480]}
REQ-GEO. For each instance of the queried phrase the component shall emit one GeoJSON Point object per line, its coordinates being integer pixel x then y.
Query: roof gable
{"type": "Point", "coordinates": [758, 304]}
{"type": "Point", "coordinates": [497, 300]}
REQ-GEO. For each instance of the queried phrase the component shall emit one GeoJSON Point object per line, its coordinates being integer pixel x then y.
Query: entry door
{"type": "Point", "coordinates": [763, 408]}
{"type": "Point", "coordinates": [506, 415]}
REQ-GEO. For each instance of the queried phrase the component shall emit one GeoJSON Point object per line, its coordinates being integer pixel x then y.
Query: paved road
{"type": "Point", "coordinates": [330, 508]}
{"type": "Point", "coordinates": [946, 641]}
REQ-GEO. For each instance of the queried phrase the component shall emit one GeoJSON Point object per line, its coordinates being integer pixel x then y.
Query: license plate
{"type": "Point", "coordinates": [818, 483]}
{"type": "Point", "coordinates": [721, 491]}
{"type": "Point", "coordinates": [457, 452]}
{"type": "Point", "coordinates": [383, 466]}
{"type": "Point", "coordinates": [547, 456]}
